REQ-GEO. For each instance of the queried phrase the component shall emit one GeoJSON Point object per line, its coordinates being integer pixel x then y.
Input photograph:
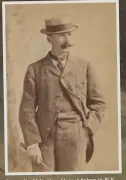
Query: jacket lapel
{"type": "Point", "coordinates": [68, 66]}
{"type": "Point", "coordinates": [50, 66]}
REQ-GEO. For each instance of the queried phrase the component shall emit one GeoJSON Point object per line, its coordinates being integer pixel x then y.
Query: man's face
{"type": "Point", "coordinates": [61, 42]}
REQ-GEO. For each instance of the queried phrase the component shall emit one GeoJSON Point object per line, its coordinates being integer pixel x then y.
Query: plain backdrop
{"type": "Point", "coordinates": [95, 40]}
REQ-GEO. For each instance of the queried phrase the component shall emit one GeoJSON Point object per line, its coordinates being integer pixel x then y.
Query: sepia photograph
{"type": "Point", "coordinates": [62, 88]}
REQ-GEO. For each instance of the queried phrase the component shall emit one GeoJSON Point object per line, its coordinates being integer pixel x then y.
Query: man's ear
{"type": "Point", "coordinates": [49, 39]}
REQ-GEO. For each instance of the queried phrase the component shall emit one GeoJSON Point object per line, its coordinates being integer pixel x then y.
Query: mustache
{"type": "Point", "coordinates": [66, 44]}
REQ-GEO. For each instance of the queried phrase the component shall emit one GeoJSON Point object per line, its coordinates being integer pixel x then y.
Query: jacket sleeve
{"type": "Point", "coordinates": [95, 101]}
{"type": "Point", "coordinates": [27, 111]}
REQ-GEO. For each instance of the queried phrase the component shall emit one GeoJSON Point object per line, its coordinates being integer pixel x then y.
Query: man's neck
{"type": "Point", "coordinates": [58, 54]}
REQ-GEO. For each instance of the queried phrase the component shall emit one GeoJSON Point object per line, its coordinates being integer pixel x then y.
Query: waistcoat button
{"type": "Point", "coordinates": [58, 111]}
{"type": "Point", "coordinates": [48, 129]}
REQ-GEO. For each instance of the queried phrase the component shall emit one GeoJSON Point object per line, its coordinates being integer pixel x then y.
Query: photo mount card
{"type": "Point", "coordinates": [96, 42]}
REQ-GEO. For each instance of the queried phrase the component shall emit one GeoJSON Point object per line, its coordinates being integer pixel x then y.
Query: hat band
{"type": "Point", "coordinates": [59, 27]}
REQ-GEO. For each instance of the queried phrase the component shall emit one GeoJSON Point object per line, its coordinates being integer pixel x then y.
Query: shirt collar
{"type": "Point", "coordinates": [57, 58]}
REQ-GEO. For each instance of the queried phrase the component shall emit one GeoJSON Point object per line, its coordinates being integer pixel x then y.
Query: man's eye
{"type": "Point", "coordinates": [61, 34]}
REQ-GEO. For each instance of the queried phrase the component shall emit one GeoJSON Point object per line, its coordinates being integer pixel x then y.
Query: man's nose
{"type": "Point", "coordinates": [66, 38]}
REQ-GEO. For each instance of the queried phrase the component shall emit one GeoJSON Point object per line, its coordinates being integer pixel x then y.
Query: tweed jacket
{"type": "Point", "coordinates": [38, 112]}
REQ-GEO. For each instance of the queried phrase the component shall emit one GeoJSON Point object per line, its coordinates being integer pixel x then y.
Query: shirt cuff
{"type": "Point", "coordinates": [33, 145]}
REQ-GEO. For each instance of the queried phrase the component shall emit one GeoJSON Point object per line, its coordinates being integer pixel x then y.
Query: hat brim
{"type": "Point", "coordinates": [44, 31]}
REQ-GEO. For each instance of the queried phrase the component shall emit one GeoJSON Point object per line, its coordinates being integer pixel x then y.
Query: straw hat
{"type": "Point", "coordinates": [56, 25]}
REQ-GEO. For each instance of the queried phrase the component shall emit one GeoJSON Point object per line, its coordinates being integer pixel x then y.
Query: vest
{"type": "Point", "coordinates": [65, 108]}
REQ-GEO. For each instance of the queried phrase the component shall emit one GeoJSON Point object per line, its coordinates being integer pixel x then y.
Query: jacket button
{"type": "Point", "coordinates": [57, 96]}
{"type": "Point", "coordinates": [48, 129]}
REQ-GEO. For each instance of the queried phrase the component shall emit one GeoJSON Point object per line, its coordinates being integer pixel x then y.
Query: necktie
{"type": "Point", "coordinates": [59, 60]}
{"type": "Point", "coordinates": [60, 65]}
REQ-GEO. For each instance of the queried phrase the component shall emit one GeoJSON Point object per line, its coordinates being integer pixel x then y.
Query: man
{"type": "Point", "coordinates": [62, 106]}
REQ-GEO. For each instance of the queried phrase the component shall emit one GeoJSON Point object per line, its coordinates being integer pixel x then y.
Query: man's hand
{"type": "Point", "coordinates": [34, 153]}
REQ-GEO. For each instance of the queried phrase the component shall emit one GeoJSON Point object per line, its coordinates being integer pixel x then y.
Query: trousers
{"type": "Point", "coordinates": [65, 148]}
